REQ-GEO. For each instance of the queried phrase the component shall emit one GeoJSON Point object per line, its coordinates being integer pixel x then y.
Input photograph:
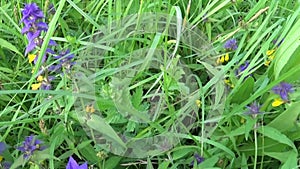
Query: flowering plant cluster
{"type": "Point", "coordinates": [29, 147]}
{"type": "Point", "coordinates": [34, 28]}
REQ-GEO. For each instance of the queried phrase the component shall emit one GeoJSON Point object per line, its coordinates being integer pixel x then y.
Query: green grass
{"type": "Point", "coordinates": [146, 91]}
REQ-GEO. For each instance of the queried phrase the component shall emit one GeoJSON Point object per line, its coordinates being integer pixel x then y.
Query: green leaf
{"type": "Point", "coordinates": [281, 156]}
{"type": "Point", "coordinates": [291, 162]}
{"type": "Point", "coordinates": [88, 151]}
{"type": "Point", "coordinates": [276, 135]}
{"type": "Point", "coordinates": [294, 61]}
{"type": "Point", "coordinates": [149, 164]}
{"type": "Point", "coordinates": [112, 162]}
{"type": "Point", "coordinates": [9, 46]}
{"type": "Point", "coordinates": [182, 151]}
{"type": "Point", "coordinates": [244, 91]}
{"type": "Point", "coordinates": [287, 119]}
{"type": "Point", "coordinates": [99, 125]}
{"type": "Point", "coordinates": [289, 45]}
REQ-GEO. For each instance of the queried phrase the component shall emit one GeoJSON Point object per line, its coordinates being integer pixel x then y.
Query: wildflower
{"type": "Point", "coordinates": [198, 103]}
{"type": "Point", "coordinates": [276, 40]}
{"type": "Point", "coordinates": [30, 145]}
{"type": "Point", "coordinates": [2, 149]}
{"type": "Point", "coordinates": [277, 102]}
{"type": "Point", "coordinates": [51, 9]}
{"type": "Point", "coordinates": [283, 89]}
{"type": "Point", "coordinates": [32, 16]}
{"type": "Point", "coordinates": [231, 44]}
{"type": "Point", "coordinates": [270, 55]}
{"type": "Point", "coordinates": [33, 27]}
{"type": "Point", "coordinates": [228, 82]}
{"type": "Point", "coordinates": [241, 69]}
{"type": "Point", "coordinates": [72, 164]}
{"type": "Point", "coordinates": [198, 159]}
{"type": "Point", "coordinates": [31, 57]}
{"type": "Point", "coordinates": [253, 109]}
{"type": "Point", "coordinates": [223, 59]}
{"type": "Point", "coordinates": [44, 83]}
{"type": "Point", "coordinates": [65, 61]}
{"type": "Point", "coordinates": [6, 165]}
{"type": "Point", "coordinates": [90, 108]}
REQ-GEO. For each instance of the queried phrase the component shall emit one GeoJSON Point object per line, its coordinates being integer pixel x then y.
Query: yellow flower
{"type": "Point", "coordinates": [198, 103]}
{"type": "Point", "coordinates": [270, 52]}
{"type": "Point", "coordinates": [90, 108]}
{"type": "Point", "coordinates": [40, 78]}
{"type": "Point", "coordinates": [277, 102]}
{"type": "Point", "coordinates": [36, 86]}
{"type": "Point", "coordinates": [271, 55]}
{"type": "Point", "coordinates": [243, 120]}
{"type": "Point", "coordinates": [223, 59]}
{"type": "Point", "coordinates": [31, 57]}
{"type": "Point", "coordinates": [1, 158]}
{"type": "Point", "coordinates": [228, 82]}
{"type": "Point", "coordinates": [267, 63]}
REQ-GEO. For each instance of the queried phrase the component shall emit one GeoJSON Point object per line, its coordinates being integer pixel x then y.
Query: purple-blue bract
{"type": "Point", "coordinates": [283, 89]}
{"type": "Point", "coordinates": [30, 145]}
{"type": "Point", "coordinates": [72, 164]}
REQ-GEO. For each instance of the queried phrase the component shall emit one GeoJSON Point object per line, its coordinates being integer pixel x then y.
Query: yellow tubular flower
{"type": "Point", "coordinates": [270, 52]}
{"type": "Point", "coordinates": [40, 78]}
{"type": "Point", "coordinates": [31, 57]}
{"type": "Point", "coordinates": [36, 86]}
{"type": "Point", "coordinates": [90, 108]}
{"type": "Point", "coordinates": [277, 102]}
{"type": "Point", "coordinates": [267, 63]}
{"type": "Point", "coordinates": [226, 57]}
{"type": "Point", "coordinates": [198, 103]}
{"type": "Point", "coordinates": [223, 59]}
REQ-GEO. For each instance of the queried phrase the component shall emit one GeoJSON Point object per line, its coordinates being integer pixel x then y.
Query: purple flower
{"type": "Point", "coordinates": [65, 61]}
{"type": "Point", "coordinates": [253, 109]}
{"type": "Point", "coordinates": [31, 13]}
{"type": "Point", "coordinates": [230, 44]}
{"type": "Point", "coordinates": [241, 69]}
{"type": "Point", "coordinates": [29, 146]}
{"type": "Point", "coordinates": [32, 16]}
{"type": "Point", "coordinates": [33, 27]}
{"type": "Point", "coordinates": [283, 89]}
{"type": "Point", "coordinates": [2, 147]}
{"type": "Point", "coordinates": [198, 159]}
{"type": "Point", "coordinates": [46, 83]}
{"type": "Point", "coordinates": [72, 164]}
{"type": "Point", "coordinates": [276, 41]}
{"type": "Point", "coordinates": [51, 9]}
{"type": "Point", "coordinates": [6, 165]}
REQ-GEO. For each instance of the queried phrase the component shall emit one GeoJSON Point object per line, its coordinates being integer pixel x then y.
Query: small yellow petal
{"type": "Point", "coordinates": [267, 63]}
{"type": "Point", "coordinates": [36, 86]}
{"type": "Point", "coordinates": [90, 109]}
{"type": "Point", "coordinates": [270, 52]}
{"type": "Point", "coordinates": [198, 103]}
{"type": "Point", "coordinates": [31, 57]}
{"type": "Point", "coordinates": [271, 57]}
{"type": "Point", "coordinates": [242, 120]}
{"type": "Point", "coordinates": [227, 57]}
{"type": "Point", "coordinates": [40, 78]}
{"type": "Point", "coordinates": [222, 59]}
{"type": "Point", "coordinates": [277, 102]}
{"type": "Point", "coordinates": [218, 61]}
